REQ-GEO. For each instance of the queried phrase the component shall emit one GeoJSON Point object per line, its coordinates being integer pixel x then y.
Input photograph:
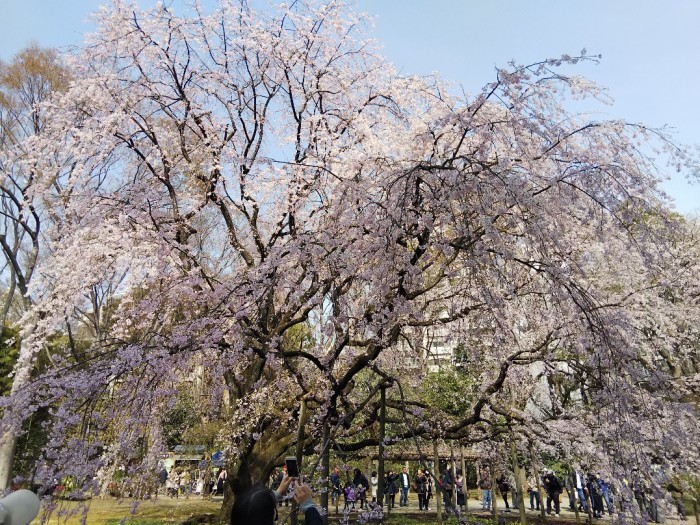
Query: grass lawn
{"type": "Point", "coordinates": [110, 511]}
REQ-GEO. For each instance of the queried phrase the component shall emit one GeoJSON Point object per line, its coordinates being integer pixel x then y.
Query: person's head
{"type": "Point", "coordinates": [356, 472]}
{"type": "Point", "coordinates": [404, 469]}
{"type": "Point", "coordinates": [257, 506]}
{"type": "Point", "coordinates": [374, 473]}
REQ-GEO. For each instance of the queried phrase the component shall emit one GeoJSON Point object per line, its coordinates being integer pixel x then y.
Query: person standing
{"type": "Point", "coordinates": [596, 494]}
{"type": "Point", "coordinates": [580, 491]}
{"type": "Point", "coordinates": [607, 494]}
{"type": "Point", "coordinates": [503, 488]}
{"type": "Point", "coordinates": [421, 482]}
{"type": "Point", "coordinates": [335, 485]}
{"type": "Point", "coordinates": [361, 486]}
{"type": "Point", "coordinates": [374, 483]}
{"type": "Point", "coordinates": [429, 489]}
{"type": "Point", "coordinates": [534, 491]}
{"type": "Point", "coordinates": [221, 482]}
{"type": "Point", "coordinates": [485, 486]}
{"type": "Point", "coordinates": [172, 484]}
{"type": "Point", "coordinates": [553, 488]}
{"type": "Point", "coordinates": [390, 489]}
{"type": "Point", "coordinates": [448, 486]}
{"type": "Point", "coordinates": [404, 484]}
{"type": "Point", "coordinates": [185, 483]}
{"type": "Point", "coordinates": [350, 496]}
{"type": "Point", "coordinates": [459, 487]}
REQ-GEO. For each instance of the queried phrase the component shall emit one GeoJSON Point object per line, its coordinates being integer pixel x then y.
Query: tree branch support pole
{"type": "Point", "coordinates": [537, 473]}
{"type": "Point", "coordinates": [438, 489]}
{"type": "Point", "coordinates": [572, 483]}
{"type": "Point", "coordinates": [325, 465]}
{"type": "Point", "coordinates": [380, 459]}
{"type": "Point", "coordinates": [453, 467]}
{"type": "Point", "coordinates": [494, 497]}
{"type": "Point", "coordinates": [518, 484]}
{"type": "Point", "coordinates": [465, 484]}
{"type": "Point", "coordinates": [299, 452]}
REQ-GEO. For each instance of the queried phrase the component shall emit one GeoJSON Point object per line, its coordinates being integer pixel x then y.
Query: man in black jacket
{"type": "Point", "coordinates": [553, 487]}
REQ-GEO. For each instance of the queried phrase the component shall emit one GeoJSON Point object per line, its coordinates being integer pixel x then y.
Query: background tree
{"type": "Point", "coordinates": [25, 84]}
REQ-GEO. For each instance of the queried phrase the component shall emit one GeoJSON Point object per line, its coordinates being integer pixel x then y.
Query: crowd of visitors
{"type": "Point", "coordinates": [183, 482]}
{"type": "Point", "coordinates": [587, 491]}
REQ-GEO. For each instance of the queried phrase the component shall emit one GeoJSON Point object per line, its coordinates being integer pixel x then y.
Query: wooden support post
{"type": "Point", "coordinates": [454, 474]}
{"type": "Point", "coordinates": [436, 484]}
{"type": "Point", "coordinates": [494, 498]}
{"type": "Point", "coordinates": [572, 483]}
{"type": "Point", "coordinates": [518, 484]}
{"type": "Point", "coordinates": [537, 473]}
{"type": "Point", "coordinates": [325, 466]}
{"type": "Point", "coordinates": [299, 451]}
{"type": "Point", "coordinates": [465, 486]}
{"type": "Point", "coordinates": [380, 462]}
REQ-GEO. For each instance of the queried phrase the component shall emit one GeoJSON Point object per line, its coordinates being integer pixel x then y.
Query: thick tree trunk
{"type": "Point", "coordinates": [257, 463]}
{"type": "Point", "coordinates": [241, 477]}
{"type": "Point", "coordinates": [7, 453]}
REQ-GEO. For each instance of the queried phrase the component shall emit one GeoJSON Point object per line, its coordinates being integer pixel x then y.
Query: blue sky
{"type": "Point", "coordinates": [650, 50]}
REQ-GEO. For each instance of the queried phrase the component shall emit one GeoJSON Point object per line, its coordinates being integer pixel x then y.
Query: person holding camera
{"type": "Point", "coordinates": [390, 488]}
{"type": "Point", "coordinates": [258, 506]}
{"type": "Point", "coordinates": [421, 484]}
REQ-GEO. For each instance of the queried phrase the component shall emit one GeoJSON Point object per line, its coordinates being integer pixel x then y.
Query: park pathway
{"type": "Point", "coordinates": [474, 508]}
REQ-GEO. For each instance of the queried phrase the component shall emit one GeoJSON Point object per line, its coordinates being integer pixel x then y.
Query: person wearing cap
{"type": "Point", "coordinates": [553, 487]}
{"type": "Point", "coordinates": [607, 493]}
